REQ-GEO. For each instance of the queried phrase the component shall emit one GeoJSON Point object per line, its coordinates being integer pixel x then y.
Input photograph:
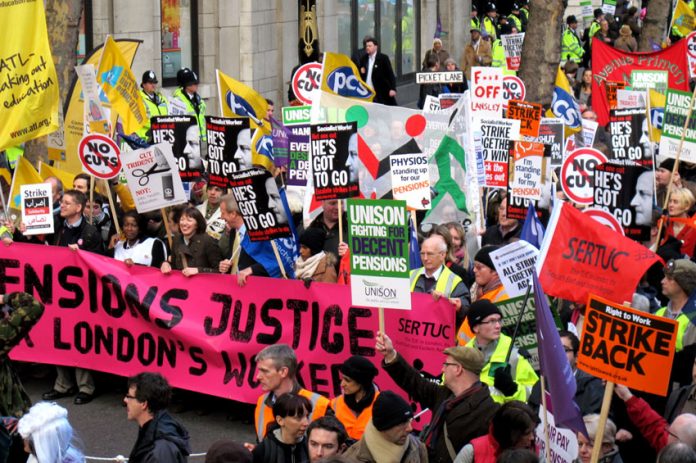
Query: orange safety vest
{"type": "Point", "coordinates": [355, 425]}
{"type": "Point", "coordinates": [264, 413]}
{"type": "Point", "coordinates": [465, 334]}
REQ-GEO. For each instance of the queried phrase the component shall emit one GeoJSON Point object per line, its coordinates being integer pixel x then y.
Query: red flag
{"type": "Point", "coordinates": [608, 63]}
{"type": "Point", "coordinates": [580, 256]}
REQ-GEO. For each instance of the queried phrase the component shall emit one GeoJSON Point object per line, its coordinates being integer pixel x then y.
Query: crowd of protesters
{"type": "Point", "coordinates": [480, 412]}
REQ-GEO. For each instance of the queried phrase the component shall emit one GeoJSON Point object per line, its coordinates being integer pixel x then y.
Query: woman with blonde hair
{"type": "Point", "coordinates": [609, 452]}
{"type": "Point", "coordinates": [681, 200]}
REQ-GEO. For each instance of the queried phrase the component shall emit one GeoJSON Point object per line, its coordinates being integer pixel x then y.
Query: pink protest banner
{"type": "Point", "coordinates": [202, 332]}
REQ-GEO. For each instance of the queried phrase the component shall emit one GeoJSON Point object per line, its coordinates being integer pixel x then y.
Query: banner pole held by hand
{"type": "Point", "coordinates": [114, 216]}
{"type": "Point", "coordinates": [381, 320]}
{"type": "Point", "coordinates": [165, 219]}
{"type": "Point", "coordinates": [340, 221]}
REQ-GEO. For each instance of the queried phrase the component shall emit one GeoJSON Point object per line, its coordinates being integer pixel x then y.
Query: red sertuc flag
{"type": "Point", "coordinates": [580, 256]}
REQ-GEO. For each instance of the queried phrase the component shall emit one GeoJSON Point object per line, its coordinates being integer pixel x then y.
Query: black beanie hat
{"type": "Point", "coordinates": [390, 410]}
{"type": "Point", "coordinates": [484, 256]}
{"type": "Point", "coordinates": [314, 239]}
{"type": "Point", "coordinates": [479, 310]}
{"type": "Point", "coordinates": [360, 370]}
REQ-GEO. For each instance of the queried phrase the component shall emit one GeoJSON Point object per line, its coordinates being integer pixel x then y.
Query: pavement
{"type": "Point", "coordinates": [105, 432]}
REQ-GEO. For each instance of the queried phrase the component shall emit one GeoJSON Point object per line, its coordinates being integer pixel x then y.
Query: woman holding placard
{"type": "Point", "coordinates": [134, 247]}
{"type": "Point", "coordinates": [193, 250]}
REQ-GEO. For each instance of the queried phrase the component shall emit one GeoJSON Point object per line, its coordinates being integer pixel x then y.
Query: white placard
{"type": "Point", "coordinates": [410, 174]}
{"type": "Point", "coordinates": [515, 264]}
{"type": "Point", "coordinates": [37, 208]}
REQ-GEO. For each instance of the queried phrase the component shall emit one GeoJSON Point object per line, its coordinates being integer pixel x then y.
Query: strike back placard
{"type": "Point", "coordinates": [259, 202]}
{"type": "Point", "coordinates": [335, 164]}
{"type": "Point", "coordinates": [183, 134]}
{"type": "Point", "coordinates": [223, 148]}
{"type": "Point", "coordinates": [627, 346]}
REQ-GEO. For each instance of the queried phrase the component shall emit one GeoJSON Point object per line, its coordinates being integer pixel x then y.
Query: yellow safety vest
{"type": "Point", "coordinates": [445, 284]}
{"type": "Point", "coordinates": [159, 109]}
{"type": "Point", "coordinates": [683, 322]}
{"type": "Point", "coordinates": [522, 372]}
{"type": "Point", "coordinates": [180, 95]}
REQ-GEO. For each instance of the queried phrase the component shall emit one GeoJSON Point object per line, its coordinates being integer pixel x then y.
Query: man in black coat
{"type": "Point", "coordinates": [462, 408]}
{"type": "Point", "coordinates": [376, 71]}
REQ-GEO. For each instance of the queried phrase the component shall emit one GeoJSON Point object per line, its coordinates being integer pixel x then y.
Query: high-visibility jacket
{"type": "Point", "coordinates": [264, 413]}
{"type": "Point", "coordinates": [464, 334]}
{"type": "Point", "coordinates": [445, 284]}
{"type": "Point", "coordinates": [499, 61]}
{"type": "Point", "coordinates": [571, 47]}
{"type": "Point", "coordinates": [517, 22]}
{"type": "Point", "coordinates": [354, 424]}
{"type": "Point", "coordinates": [520, 369]}
{"type": "Point", "coordinates": [683, 322]}
{"type": "Point", "coordinates": [594, 27]}
{"type": "Point", "coordinates": [13, 153]}
{"type": "Point", "coordinates": [489, 26]}
{"type": "Point", "coordinates": [156, 105]}
{"type": "Point", "coordinates": [180, 95]}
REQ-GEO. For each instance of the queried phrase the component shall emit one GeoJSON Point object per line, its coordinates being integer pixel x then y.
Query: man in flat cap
{"type": "Point", "coordinates": [677, 285]}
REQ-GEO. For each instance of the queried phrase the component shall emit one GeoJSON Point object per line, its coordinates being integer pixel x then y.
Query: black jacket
{"type": "Point", "coordinates": [161, 440]}
{"type": "Point", "coordinates": [86, 236]}
{"type": "Point", "coordinates": [272, 450]}
{"type": "Point", "coordinates": [383, 78]}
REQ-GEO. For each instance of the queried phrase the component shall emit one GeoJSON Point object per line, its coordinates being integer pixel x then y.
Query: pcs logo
{"type": "Point", "coordinates": [239, 105]}
{"type": "Point", "coordinates": [344, 82]}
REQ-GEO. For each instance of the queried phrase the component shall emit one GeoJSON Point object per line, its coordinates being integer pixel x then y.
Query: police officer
{"type": "Point", "coordinates": [490, 22]}
{"type": "Point", "coordinates": [571, 45]}
{"type": "Point", "coordinates": [187, 101]}
{"type": "Point", "coordinates": [514, 17]}
{"type": "Point", "coordinates": [156, 103]}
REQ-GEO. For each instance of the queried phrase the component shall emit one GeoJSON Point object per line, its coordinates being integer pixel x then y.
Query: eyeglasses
{"type": "Point", "coordinates": [430, 254]}
{"type": "Point", "coordinates": [130, 397]}
{"type": "Point", "coordinates": [449, 364]}
{"type": "Point", "coordinates": [568, 349]}
{"type": "Point", "coordinates": [495, 321]}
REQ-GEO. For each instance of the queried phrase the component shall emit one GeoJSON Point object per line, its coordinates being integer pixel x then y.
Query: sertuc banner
{"type": "Point", "coordinates": [105, 316]}
{"type": "Point", "coordinates": [610, 64]}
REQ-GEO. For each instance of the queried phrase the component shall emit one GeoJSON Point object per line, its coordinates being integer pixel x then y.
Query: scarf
{"type": "Point", "coordinates": [357, 406]}
{"type": "Point", "coordinates": [306, 268]}
{"type": "Point", "coordinates": [381, 449]}
{"type": "Point", "coordinates": [491, 285]}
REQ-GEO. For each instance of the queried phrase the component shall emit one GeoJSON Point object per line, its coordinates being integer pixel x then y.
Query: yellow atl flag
{"type": "Point", "coordinates": [28, 82]}
{"type": "Point", "coordinates": [118, 82]}
{"type": "Point", "coordinates": [74, 115]}
{"type": "Point", "coordinates": [262, 149]}
{"type": "Point", "coordinates": [24, 174]}
{"type": "Point", "coordinates": [239, 100]}
{"type": "Point", "coordinates": [683, 19]}
{"type": "Point", "coordinates": [657, 114]}
{"type": "Point", "coordinates": [46, 171]}
{"type": "Point", "coordinates": [340, 77]}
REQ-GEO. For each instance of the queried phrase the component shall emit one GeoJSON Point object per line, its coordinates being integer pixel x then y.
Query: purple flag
{"type": "Point", "coordinates": [554, 365]}
{"type": "Point", "coordinates": [281, 143]}
{"type": "Point", "coordinates": [532, 230]}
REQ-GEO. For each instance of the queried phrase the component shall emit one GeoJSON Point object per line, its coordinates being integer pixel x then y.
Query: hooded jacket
{"type": "Point", "coordinates": [161, 440]}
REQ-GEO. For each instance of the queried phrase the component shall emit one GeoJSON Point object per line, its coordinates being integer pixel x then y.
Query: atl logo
{"type": "Point", "coordinates": [344, 82]}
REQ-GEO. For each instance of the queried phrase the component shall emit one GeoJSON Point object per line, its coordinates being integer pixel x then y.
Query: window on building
{"type": "Point", "coordinates": [178, 26]}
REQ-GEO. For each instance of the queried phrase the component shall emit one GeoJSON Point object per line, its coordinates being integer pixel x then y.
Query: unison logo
{"type": "Point", "coordinates": [377, 290]}
{"type": "Point", "coordinates": [344, 82]}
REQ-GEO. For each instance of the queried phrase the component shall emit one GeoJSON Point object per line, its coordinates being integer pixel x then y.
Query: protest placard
{"type": "Point", "coordinates": [626, 192]}
{"type": "Point", "coordinates": [517, 207]}
{"type": "Point", "coordinates": [152, 178]}
{"type": "Point", "coordinates": [296, 118]}
{"type": "Point", "coordinates": [627, 346]}
{"type": "Point", "coordinates": [642, 80]}
{"type": "Point", "coordinates": [37, 208]}
{"type": "Point", "coordinates": [529, 115]}
{"type": "Point", "coordinates": [512, 46]}
{"type": "Point", "coordinates": [551, 135]}
{"type": "Point", "coordinates": [577, 173]}
{"type": "Point", "coordinates": [515, 263]}
{"type": "Point", "coordinates": [676, 111]}
{"type": "Point", "coordinates": [589, 130]}
{"type": "Point", "coordinates": [280, 134]}
{"type": "Point", "coordinates": [410, 177]}
{"type": "Point", "coordinates": [628, 137]}
{"type": "Point", "coordinates": [611, 88]}
{"type": "Point", "coordinates": [183, 135]}
{"type": "Point", "coordinates": [526, 171]}
{"type": "Point", "coordinates": [447, 77]}
{"type": "Point", "coordinates": [258, 199]}
{"type": "Point", "coordinates": [334, 160]}
{"type": "Point", "coordinates": [223, 134]}
{"type": "Point", "coordinates": [629, 99]}
{"type": "Point", "coordinates": [563, 443]}
{"type": "Point", "coordinates": [447, 100]}
{"type": "Point", "coordinates": [379, 240]}
{"type": "Point", "coordinates": [609, 7]}
{"type": "Point", "coordinates": [487, 91]}
{"type": "Point", "coordinates": [103, 315]}
{"type": "Point", "coordinates": [691, 53]}
{"type": "Point", "coordinates": [496, 136]}
{"type": "Point", "coordinates": [513, 89]}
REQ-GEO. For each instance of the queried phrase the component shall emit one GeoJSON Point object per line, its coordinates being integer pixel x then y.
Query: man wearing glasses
{"type": "Point", "coordinates": [160, 438]}
{"type": "Point", "coordinates": [462, 408]}
{"type": "Point", "coordinates": [509, 378]}
{"type": "Point", "coordinates": [436, 279]}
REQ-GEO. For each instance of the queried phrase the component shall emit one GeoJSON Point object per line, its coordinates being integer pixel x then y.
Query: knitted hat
{"type": "Point", "coordinates": [669, 165]}
{"type": "Point", "coordinates": [360, 370]}
{"type": "Point", "coordinates": [469, 358]}
{"type": "Point", "coordinates": [314, 239]}
{"type": "Point", "coordinates": [683, 271]}
{"type": "Point", "coordinates": [479, 310]}
{"type": "Point", "coordinates": [390, 410]}
{"type": "Point", "coordinates": [227, 451]}
{"type": "Point", "coordinates": [484, 256]}
{"type": "Point", "coordinates": [625, 31]}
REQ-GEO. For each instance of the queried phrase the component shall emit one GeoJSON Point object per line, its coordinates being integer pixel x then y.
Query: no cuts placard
{"type": "Point", "coordinates": [99, 155]}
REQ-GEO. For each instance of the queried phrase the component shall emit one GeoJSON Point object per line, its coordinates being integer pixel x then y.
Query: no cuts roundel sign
{"type": "Point", "coordinates": [100, 156]}
{"type": "Point", "coordinates": [306, 80]}
{"type": "Point", "coordinates": [577, 174]}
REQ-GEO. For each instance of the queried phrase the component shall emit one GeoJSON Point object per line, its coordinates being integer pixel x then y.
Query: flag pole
{"type": "Point", "coordinates": [547, 440]}
{"type": "Point", "coordinates": [91, 199]}
{"type": "Point", "coordinates": [519, 321]}
{"type": "Point", "coordinates": [114, 216]}
{"type": "Point", "coordinates": [340, 221]}
{"type": "Point", "coordinates": [165, 219]}
{"type": "Point", "coordinates": [381, 320]}
{"type": "Point", "coordinates": [676, 164]}
{"type": "Point", "coordinates": [280, 262]}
